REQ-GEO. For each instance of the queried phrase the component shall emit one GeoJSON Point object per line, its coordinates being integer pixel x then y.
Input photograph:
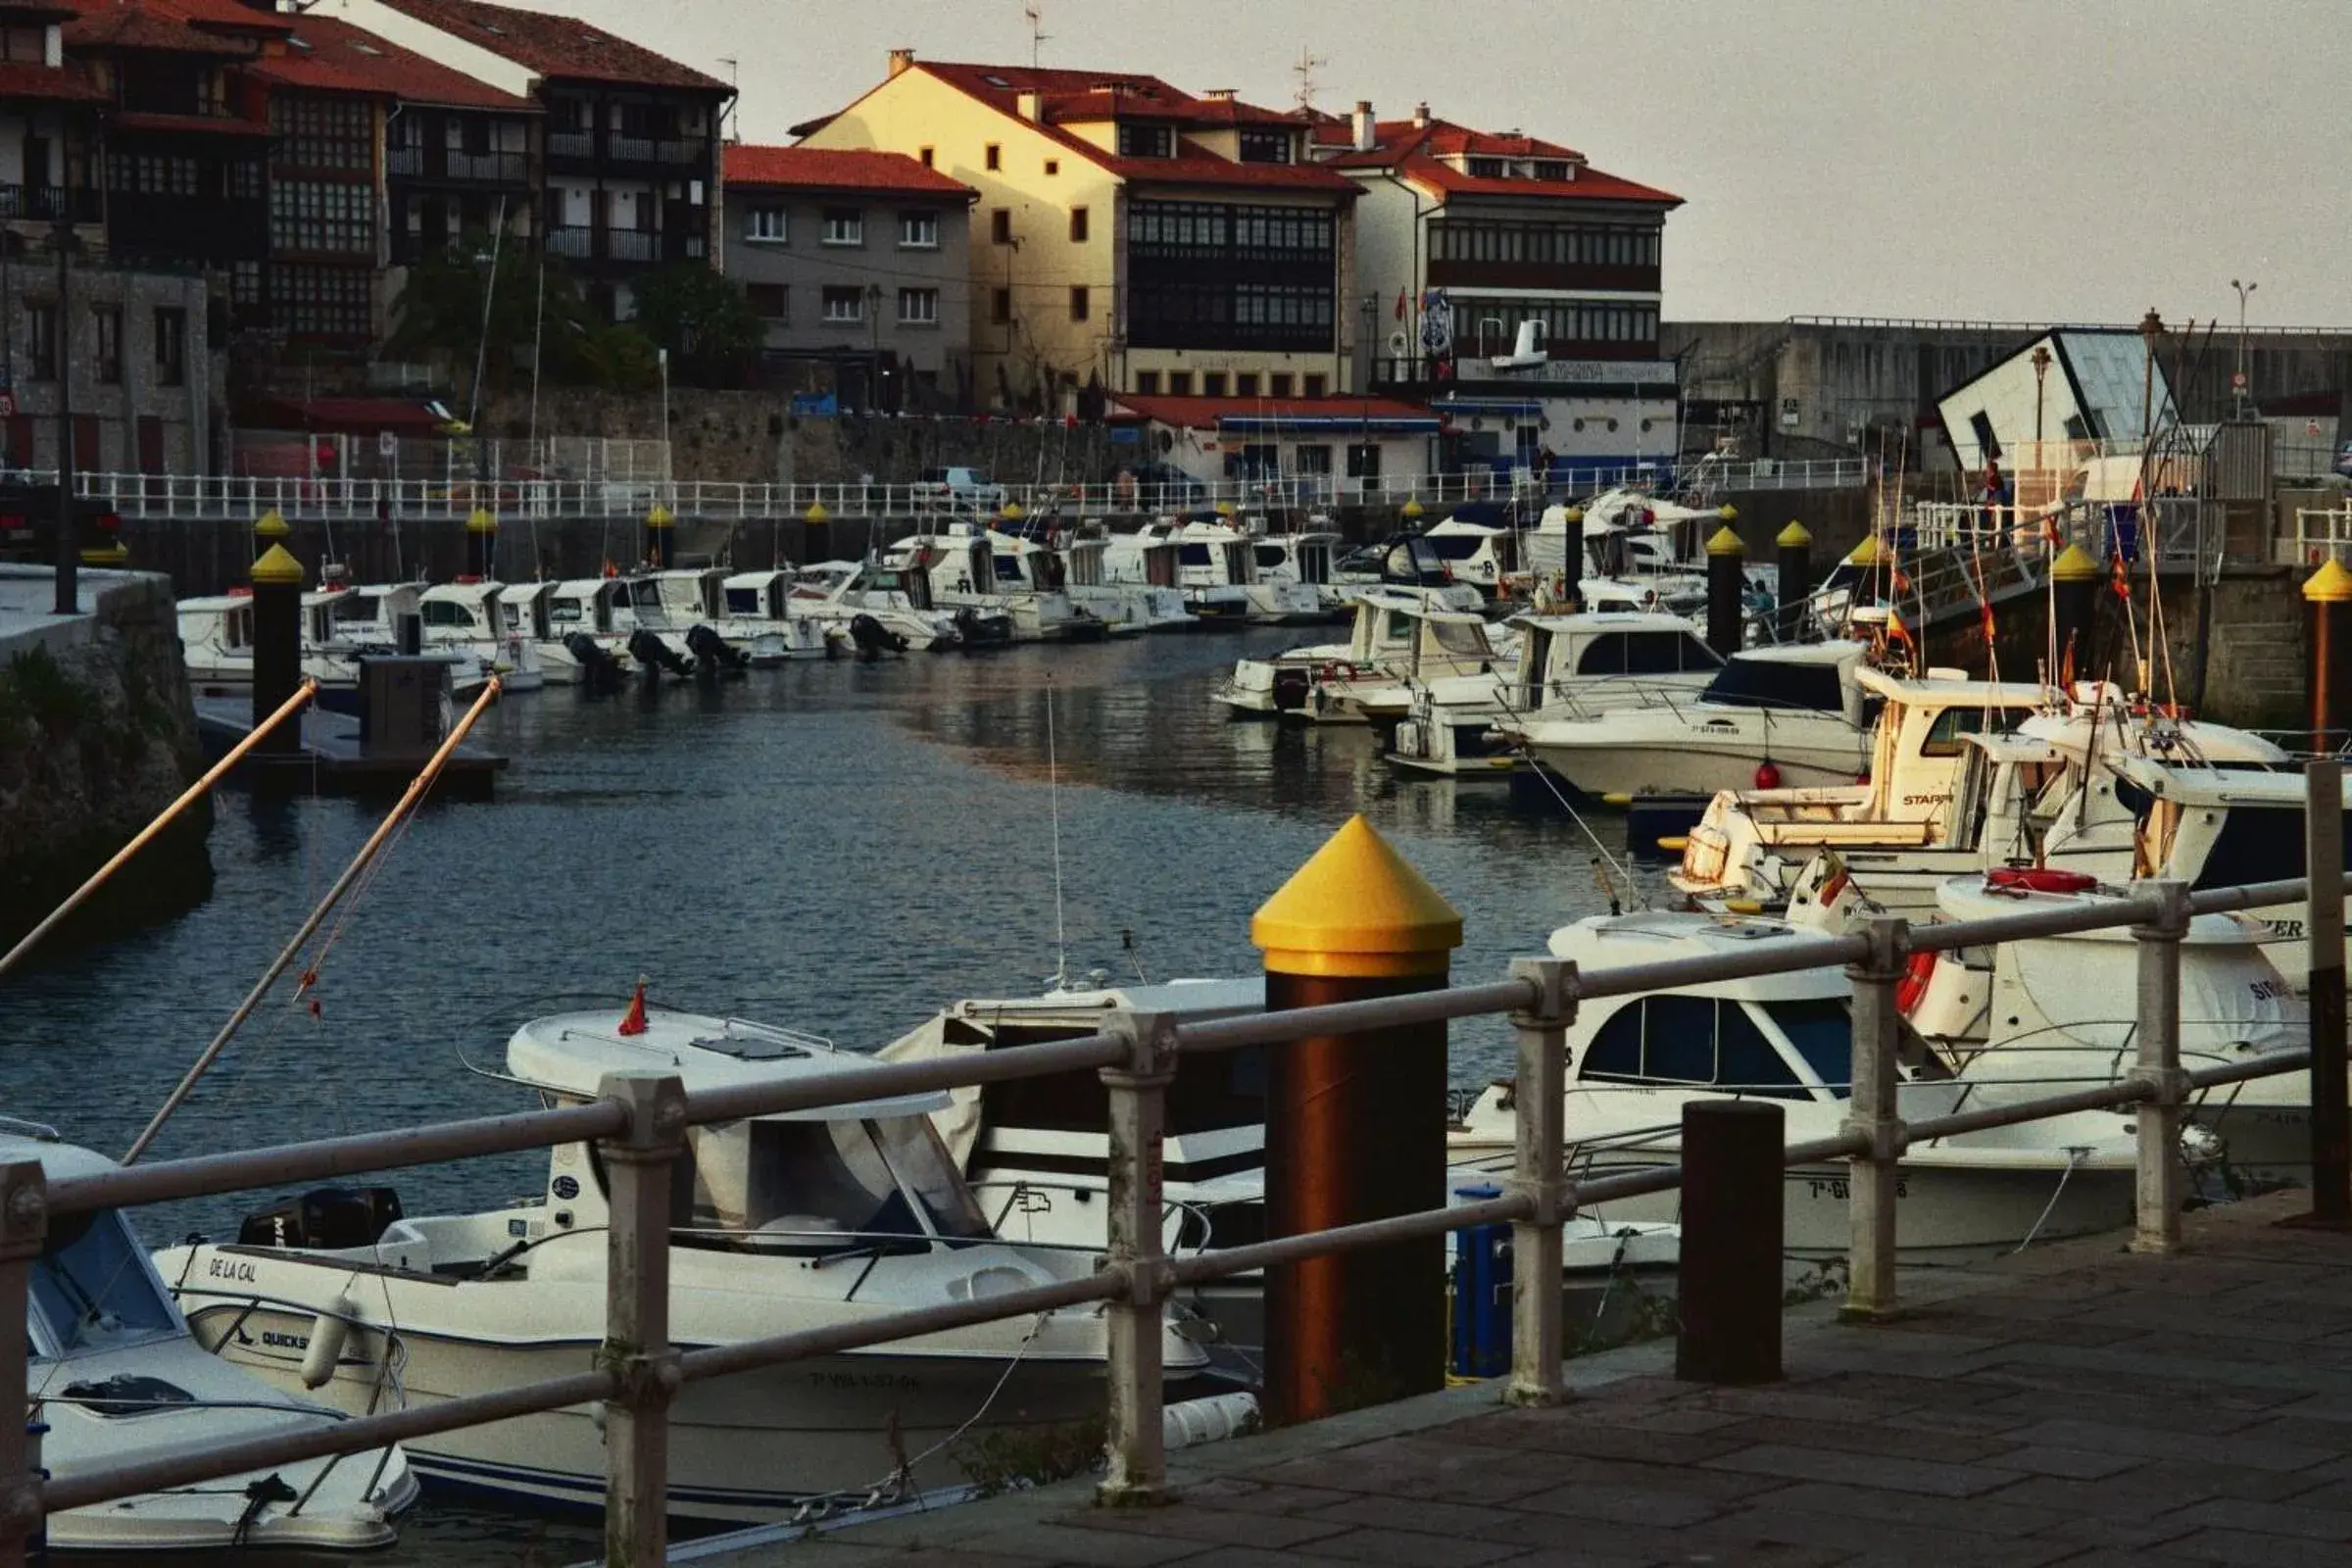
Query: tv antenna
{"type": "Point", "coordinates": [1038, 35]}
{"type": "Point", "coordinates": [1304, 70]}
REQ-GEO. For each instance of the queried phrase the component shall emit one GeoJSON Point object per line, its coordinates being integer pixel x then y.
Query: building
{"type": "Point", "coordinates": [1337, 447]}
{"type": "Point", "coordinates": [147, 388]}
{"type": "Point", "coordinates": [1513, 285]}
{"type": "Point", "coordinates": [859, 262]}
{"type": "Point", "coordinates": [2064, 395]}
{"type": "Point", "coordinates": [1130, 237]}
{"type": "Point", "coordinates": [50, 146]}
{"type": "Point", "coordinates": [631, 172]}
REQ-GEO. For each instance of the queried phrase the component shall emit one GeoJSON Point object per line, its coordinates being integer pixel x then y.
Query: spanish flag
{"type": "Point", "coordinates": [1896, 628]}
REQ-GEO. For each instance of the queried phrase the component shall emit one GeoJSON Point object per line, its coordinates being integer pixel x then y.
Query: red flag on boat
{"type": "Point", "coordinates": [1401, 305]}
{"type": "Point", "coordinates": [632, 1022]}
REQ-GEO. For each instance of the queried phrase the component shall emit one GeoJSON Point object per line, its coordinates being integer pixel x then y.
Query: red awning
{"type": "Point", "coordinates": [352, 416]}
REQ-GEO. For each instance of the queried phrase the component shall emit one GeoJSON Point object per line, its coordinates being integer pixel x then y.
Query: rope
{"type": "Point", "coordinates": [2074, 1157]}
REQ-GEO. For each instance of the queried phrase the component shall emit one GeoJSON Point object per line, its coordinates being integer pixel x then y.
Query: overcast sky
{"type": "Point", "coordinates": [2018, 159]}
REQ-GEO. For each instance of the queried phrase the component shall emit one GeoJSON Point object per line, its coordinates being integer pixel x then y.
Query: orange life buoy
{"type": "Point", "coordinates": [1914, 984]}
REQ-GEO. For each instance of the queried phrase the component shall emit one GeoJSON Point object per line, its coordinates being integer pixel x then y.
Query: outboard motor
{"type": "Point", "coordinates": [983, 631]}
{"type": "Point", "coordinates": [873, 639]}
{"type": "Point", "coordinates": [654, 655]}
{"type": "Point", "coordinates": [713, 655]}
{"type": "Point", "coordinates": [599, 671]}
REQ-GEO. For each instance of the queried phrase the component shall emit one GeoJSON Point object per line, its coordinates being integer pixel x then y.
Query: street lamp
{"type": "Point", "coordinates": [69, 558]}
{"type": "Point", "coordinates": [2238, 382]}
{"type": "Point", "coordinates": [2042, 369]}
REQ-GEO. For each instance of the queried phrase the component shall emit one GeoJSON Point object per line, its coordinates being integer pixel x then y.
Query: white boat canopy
{"type": "Point", "coordinates": [569, 1054]}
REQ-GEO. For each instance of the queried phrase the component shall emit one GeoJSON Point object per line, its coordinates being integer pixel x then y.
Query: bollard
{"type": "Point", "coordinates": [277, 579]}
{"type": "Point", "coordinates": [639, 1173]}
{"type": "Point", "coordinates": [816, 534]}
{"type": "Point", "coordinates": [23, 1230]}
{"type": "Point", "coordinates": [1484, 1282]}
{"type": "Point", "coordinates": [2328, 613]}
{"type": "Point", "coordinates": [1873, 1179]}
{"type": "Point", "coordinates": [481, 545]}
{"type": "Point", "coordinates": [1135, 1436]}
{"type": "Point", "coordinates": [1729, 1282]}
{"type": "Point", "coordinates": [2323, 927]}
{"type": "Point", "coordinates": [1355, 1130]}
{"type": "Point", "coordinates": [661, 528]}
{"type": "Point", "coordinates": [2076, 581]}
{"type": "Point", "coordinates": [1796, 546]}
{"type": "Point", "coordinates": [1539, 1173]}
{"type": "Point", "coordinates": [408, 634]}
{"type": "Point", "coordinates": [1727, 559]}
{"type": "Point", "coordinates": [2156, 1194]}
{"type": "Point", "coordinates": [1865, 587]}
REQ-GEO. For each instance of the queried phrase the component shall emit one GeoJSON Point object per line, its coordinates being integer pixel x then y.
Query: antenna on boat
{"type": "Point", "coordinates": [1061, 946]}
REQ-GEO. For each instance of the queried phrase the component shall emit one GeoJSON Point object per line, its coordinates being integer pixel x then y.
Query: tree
{"type": "Point", "coordinates": [440, 312]}
{"type": "Point", "coordinates": [705, 322]}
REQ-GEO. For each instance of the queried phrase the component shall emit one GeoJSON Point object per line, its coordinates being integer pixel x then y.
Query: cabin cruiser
{"type": "Point", "coordinates": [1399, 633]}
{"type": "Point", "coordinates": [1588, 662]}
{"type": "Point", "coordinates": [366, 619]}
{"type": "Point", "coordinates": [761, 621]}
{"type": "Point", "coordinates": [1635, 1061]}
{"type": "Point", "coordinates": [1123, 608]}
{"type": "Point", "coordinates": [1217, 571]}
{"type": "Point", "coordinates": [1478, 547]}
{"type": "Point", "coordinates": [835, 594]}
{"type": "Point", "coordinates": [1795, 714]}
{"type": "Point", "coordinates": [216, 635]}
{"type": "Point", "coordinates": [117, 1380]}
{"type": "Point", "coordinates": [1303, 558]}
{"type": "Point", "coordinates": [1406, 560]}
{"type": "Point", "coordinates": [465, 616]}
{"type": "Point", "coordinates": [837, 1214]}
{"type": "Point", "coordinates": [583, 636]}
{"type": "Point", "coordinates": [996, 574]}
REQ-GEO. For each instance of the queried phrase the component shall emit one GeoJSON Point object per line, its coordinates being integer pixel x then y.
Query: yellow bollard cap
{"type": "Point", "coordinates": [661, 516]}
{"type": "Point", "coordinates": [277, 569]}
{"type": "Point", "coordinates": [2074, 565]}
{"type": "Point", "coordinates": [1012, 512]}
{"type": "Point", "coordinates": [817, 512]}
{"type": "Point", "coordinates": [2331, 584]}
{"type": "Point", "coordinates": [1411, 508]}
{"type": "Point", "coordinates": [480, 520]}
{"type": "Point", "coordinates": [1356, 909]}
{"type": "Point", "coordinates": [272, 524]}
{"type": "Point", "coordinates": [1575, 515]}
{"type": "Point", "coordinates": [1728, 512]}
{"type": "Point", "coordinates": [1793, 537]}
{"type": "Point", "coordinates": [1726, 543]}
{"type": "Point", "coordinates": [1865, 554]}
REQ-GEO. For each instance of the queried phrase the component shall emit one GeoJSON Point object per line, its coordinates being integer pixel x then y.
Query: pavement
{"type": "Point", "coordinates": [2076, 1404]}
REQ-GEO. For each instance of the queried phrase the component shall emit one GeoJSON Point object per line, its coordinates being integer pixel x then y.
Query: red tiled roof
{"type": "Point", "coordinates": [1203, 413]}
{"type": "Point", "coordinates": [556, 46]}
{"type": "Point", "coordinates": [225, 16]}
{"type": "Point", "coordinates": [21, 79]}
{"type": "Point", "coordinates": [330, 55]}
{"type": "Point", "coordinates": [1416, 151]}
{"type": "Point", "coordinates": [135, 25]}
{"type": "Point", "coordinates": [192, 125]}
{"type": "Point", "coordinates": [825, 169]}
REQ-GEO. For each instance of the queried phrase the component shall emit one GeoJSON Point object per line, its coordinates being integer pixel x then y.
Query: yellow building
{"type": "Point", "coordinates": [1128, 235]}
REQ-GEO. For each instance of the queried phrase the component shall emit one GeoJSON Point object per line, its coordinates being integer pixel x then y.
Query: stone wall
{"type": "Point", "coordinates": [96, 737]}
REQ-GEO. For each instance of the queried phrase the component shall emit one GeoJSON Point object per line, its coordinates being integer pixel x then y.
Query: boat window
{"type": "Point", "coordinates": [1315, 564]}
{"type": "Point", "coordinates": [1944, 735]}
{"type": "Point", "coordinates": [1656, 653]}
{"type": "Point", "coordinates": [358, 607]}
{"type": "Point", "coordinates": [1678, 1040]}
{"type": "Point", "coordinates": [1822, 1029]}
{"type": "Point", "coordinates": [1690, 1040]}
{"type": "Point", "coordinates": [91, 1287]}
{"type": "Point", "coordinates": [1746, 1059]}
{"type": "Point", "coordinates": [564, 611]}
{"type": "Point", "coordinates": [1399, 627]}
{"type": "Point", "coordinates": [743, 602]}
{"type": "Point", "coordinates": [1776, 683]}
{"type": "Point", "coordinates": [803, 1185]}
{"type": "Point", "coordinates": [447, 613]}
{"type": "Point", "coordinates": [1008, 570]}
{"type": "Point", "coordinates": [512, 614]}
{"type": "Point", "coordinates": [1238, 566]}
{"type": "Point", "coordinates": [1271, 556]}
{"type": "Point", "coordinates": [1193, 555]}
{"type": "Point", "coordinates": [923, 1167]}
{"type": "Point", "coordinates": [2258, 844]}
{"type": "Point", "coordinates": [1210, 1093]}
{"type": "Point", "coordinates": [1454, 545]}
{"type": "Point", "coordinates": [1465, 638]}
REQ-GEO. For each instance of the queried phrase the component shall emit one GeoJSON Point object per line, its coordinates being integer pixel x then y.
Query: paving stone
{"type": "Point", "coordinates": [2100, 1437]}
{"type": "Point", "coordinates": [2079, 1464]}
{"type": "Point", "coordinates": [2269, 1518]}
{"type": "Point", "coordinates": [1884, 1541]}
{"type": "Point", "coordinates": [1087, 1549]}
{"type": "Point", "coordinates": [1260, 1497]}
{"type": "Point", "coordinates": [1408, 1513]}
{"type": "Point", "coordinates": [1407, 1548]}
{"type": "Point", "coordinates": [1633, 1505]}
{"type": "Point", "coordinates": [1563, 1431]}
{"type": "Point", "coordinates": [2258, 1550]}
{"type": "Point", "coordinates": [1186, 1520]}
{"type": "Point", "coordinates": [1862, 1438]}
{"type": "Point", "coordinates": [1986, 1515]}
{"type": "Point", "coordinates": [1698, 1481]}
{"type": "Point", "coordinates": [1575, 1538]}
{"type": "Point", "coordinates": [1936, 1479]}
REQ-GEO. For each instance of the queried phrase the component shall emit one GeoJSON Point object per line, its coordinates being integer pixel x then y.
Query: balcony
{"type": "Point", "coordinates": [685, 245]}
{"type": "Point", "coordinates": [1565, 275]}
{"type": "Point", "coordinates": [631, 245]}
{"type": "Point", "coordinates": [403, 160]}
{"type": "Point", "coordinates": [676, 152]}
{"type": "Point", "coordinates": [627, 247]}
{"type": "Point", "coordinates": [576, 144]}
{"type": "Point", "coordinates": [489, 169]}
{"type": "Point", "coordinates": [571, 240]}
{"type": "Point", "coordinates": [46, 204]}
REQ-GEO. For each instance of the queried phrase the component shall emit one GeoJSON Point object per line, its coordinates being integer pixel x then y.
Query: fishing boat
{"type": "Point", "coordinates": [996, 574]}
{"type": "Point", "coordinates": [1307, 558]}
{"type": "Point", "coordinates": [466, 616]}
{"type": "Point", "coordinates": [1124, 607]}
{"type": "Point", "coordinates": [338, 631]}
{"type": "Point", "coordinates": [583, 641]}
{"type": "Point", "coordinates": [1399, 633]}
{"type": "Point", "coordinates": [365, 619]}
{"type": "Point", "coordinates": [760, 620]}
{"type": "Point", "coordinates": [1478, 547]}
{"type": "Point", "coordinates": [1217, 571]}
{"type": "Point", "coordinates": [836, 593]}
{"type": "Point", "coordinates": [117, 1379]}
{"type": "Point", "coordinates": [833, 1215]}
{"type": "Point", "coordinates": [1635, 1061]}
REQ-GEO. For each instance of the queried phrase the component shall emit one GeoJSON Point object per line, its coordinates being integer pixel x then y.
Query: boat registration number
{"type": "Point", "coordinates": [1840, 1189]}
{"type": "Point", "coordinates": [863, 1380]}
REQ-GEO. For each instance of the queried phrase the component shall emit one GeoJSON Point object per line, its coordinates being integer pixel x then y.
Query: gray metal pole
{"type": "Point", "coordinates": [2323, 926]}
{"type": "Point", "coordinates": [638, 1169]}
{"type": "Point", "coordinates": [2157, 1196]}
{"type": "Point", "coordinates": [68, 600]}
{"type": "Point", "coordinates": [1137, 1473]}
{"type": "Point", "coordinates": [1872, 1113]}
{"type": "Point", "coordinates": [23, 1227]}
{"type": "Point", "coordinates": [1538, 1174]}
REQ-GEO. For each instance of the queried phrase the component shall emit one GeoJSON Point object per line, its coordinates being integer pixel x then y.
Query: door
{"type": "Point", "coordinates": [19, 441]}
{"type": "Point", "coordinates": [151, 444]}
{"type": "Point", "coordinates": [85, 443]}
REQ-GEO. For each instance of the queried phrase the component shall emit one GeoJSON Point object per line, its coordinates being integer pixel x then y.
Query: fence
{"type": "Point", "coordinates": [2320, 533]}
{"type": "Point", "coordinates": [640, 1122]}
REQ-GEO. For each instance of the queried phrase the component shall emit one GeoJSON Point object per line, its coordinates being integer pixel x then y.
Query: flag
{"type": "Point", "coordinates": [1400, 303]}
{"type": "Point", "coordinates": [2066, 667]}
{"type": "Point", "coordinates": [1986, 606]}
{"type": "Point", "coordinates": [632, 1022]}
{"type": "Point", "coordinates": [1896, 628]}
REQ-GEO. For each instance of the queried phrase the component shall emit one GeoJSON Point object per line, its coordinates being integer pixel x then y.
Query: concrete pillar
{"type": "Point", "coordinates": [2074, 580]}
{"type": "Point", "coordinates": [1355, 1130]}
{"type": "Point", "coordinates": [277, 583]}
{"type": "Point", "coordinates": [1873, 1109]}
{"type": "Point", "coordinates": [2328, 613]}
{"type": "Point", "coordinates": [1726, 561]}
{"type": "Point", "coordinates": [1730, 1288]}
{"type": "Point", "coordinates": [481, 545]}
{"type": "Point", "coordinates": [639, 1170]}
{"type": "Point", "coordinates": [1796, 546]}
{"type": "Point", "coordinates": [2157, 1187]}
{"type": "Point", "coordinates": [661, 531]}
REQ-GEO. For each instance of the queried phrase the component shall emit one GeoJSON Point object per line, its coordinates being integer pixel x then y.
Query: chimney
{"type": "Point", "coordinates": [1029, 106]}
{"type": "Point", "coordinates": [1221, 95]}
{"type": "Point", "coordinates": [901, 60]}
{"type": "Point", "coordinates": [1420, 117]}
{"type": "Point", "coordinates": [1367, 134]}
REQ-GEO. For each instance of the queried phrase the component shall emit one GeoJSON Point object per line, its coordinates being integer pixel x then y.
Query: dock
{"type": "Point", "coordinates": [2075, 1404]}
{"type": "Point", "coordinates": [331, 758]}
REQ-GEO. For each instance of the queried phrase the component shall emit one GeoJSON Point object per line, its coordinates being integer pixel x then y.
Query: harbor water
{"type": "Point", "coordinates": [843, 848]}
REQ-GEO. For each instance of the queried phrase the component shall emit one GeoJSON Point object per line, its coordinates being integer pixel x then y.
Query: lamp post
{"type": "Point", "coordinates": [2042, 369]}
{"type": "Point", "coordinates": [68, 556]}
{"type": "Point", "coordinates": [2237, 383]}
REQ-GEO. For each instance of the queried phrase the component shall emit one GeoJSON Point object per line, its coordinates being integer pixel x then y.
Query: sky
{"type": "Point", "coordinates": [2011, 160]}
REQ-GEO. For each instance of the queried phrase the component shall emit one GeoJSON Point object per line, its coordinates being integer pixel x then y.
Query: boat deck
{"type": "Point", "coordinates": [2076, 1404]}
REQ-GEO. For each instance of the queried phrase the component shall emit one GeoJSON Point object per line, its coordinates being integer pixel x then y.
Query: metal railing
{"type": "Point", "coordinates": [640, 1120]}
{"type": "Point", "coordinates": [2320, 533]}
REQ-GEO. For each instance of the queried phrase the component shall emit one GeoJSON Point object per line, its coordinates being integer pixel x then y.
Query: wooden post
{"type": "Point", "coordinates": [1355, 1130]}
{"type": "Point", "coordinates": [1729, 1287]}
{"type": "Point", "coordinates": [1727, 559]}
{"type": "Point", "coordinates": [1795, 545]}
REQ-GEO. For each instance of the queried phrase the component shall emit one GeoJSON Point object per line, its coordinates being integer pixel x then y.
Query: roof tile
{"type": "Point", "coordinates": [827, 168]}
{"type": "Point", "coordinates": [555, 46]}
{"type": "Point", "coordinates": [330, 54]}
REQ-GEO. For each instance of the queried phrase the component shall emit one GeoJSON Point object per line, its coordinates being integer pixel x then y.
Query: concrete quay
{"type": "Point", "coordinates": [2075, 1404]}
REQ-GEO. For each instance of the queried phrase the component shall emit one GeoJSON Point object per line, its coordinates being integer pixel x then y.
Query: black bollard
{"type": "Point", "coordinates": [816, 534]}
{"type": "Point", "coordinates": [1727, 576]}
{"type": "Point", "coordinates": [661, 527]}
{"type": "Point", "coordinates": [408, 634]}
{"type": "Point", "coordinates": [2324, 931]}
{"type": "Point", "coordinates": [2075, 614]}
{"type": "Point", "coordinates": [1730, 1288]}
{"type": "Point", "coordinates": [2327, 594]}
{"type": "Point", "coordinates": [481, 545]}
{"type": "Point", "coordinates": [1797, 580]}
{"type": "Point", "coordinates": [277, 579]}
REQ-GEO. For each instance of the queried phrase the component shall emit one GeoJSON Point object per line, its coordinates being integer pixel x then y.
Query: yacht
{"type": "Point", "coordinates": [1399, 633]}
{"type": "Point", "coordinates": [996, 574]}
{"type": "Point", "coordinates": [836, 593]}
{"type": "Point", "coordinates": [338, 631]}
{"type": "Point", "coordinates": [1586, 663]}
{"type": "Point", "coordinates": [832, 1215]}
{"type": "Point", "coordinates": [1791, 714]}
{"type": "Point", "coordinates": [584, 632]}
{"type": "Point", "coordinates": [1303, 558]}
{"type": "Point", "coordinates": [1636, 1062]}
{"type": "Point", "coordinates": [1406, 560]}
{"type": "Point", "coordinates": [762, 620]}
{"type": "Point", "coordinates": [117, 1380]}
{"type": "Point", "coordinates": [1478, 547]}
{"type": "Point", "coordinates": [465, 618]}
{"type": "Point", "coordinates": [1123, 608]}
{"type": "Point", "coordinates": [1217, 571]}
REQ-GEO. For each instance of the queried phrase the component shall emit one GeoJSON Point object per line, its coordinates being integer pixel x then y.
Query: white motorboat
{"type": "Point", "coordinates": [117, 1380]}
{"type": "Point", "coordinates": [761, 621]}
{"type": "Point", "coordinates": [840, 1214]}
{"type": "Point", "coordinates": [1406, 560]}
{"type": "Point", "coordinates": [583, 637]}
{"type": "Point", "coordinates": [1123, 608]}
{"type": "Point", "coordinates": [1588, 662]}
{"type": "Point", "coordinates": [996, 574]}
{"type": "Point", "coordinates": [1217, 571]}
{"type": "Point", "coordinates": [1635, 1061]}
{"type": "Point", "coordinates": [1478, 547]}
{"type": "Point", "coordinates": [1770, 715]}
{"type": "Point", "coordinates": [365, 619]}
{"type": "Point", "coordinates": [1399, 633]}
{"type": "Point", "coordinates": [216, 635]}
{"type": "Point", "coordinates": [836, 593]}
{"type": "Point", "coordinates": [1303, 558]}
{"type": "Point", "coordinates": [466, 616]}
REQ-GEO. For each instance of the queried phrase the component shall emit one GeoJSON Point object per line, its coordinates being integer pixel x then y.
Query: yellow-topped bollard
{"type": "Point", "coordinates": [271, 526]}
{"type": "Point", "coordinates": [482, 545]}
{"type": "Point", "coordinates": [1727, 576]}
{"type": "Point", "coordinates": [2074, 580]}
{"type": "Point", "coordinates": [661, 527]}
{"type": "Point", "coordinates": [816, 533]}
{"type": "Point", "coordinates": [1012, 511]}
{"type": "Point", "coordinates": [277, 583]}
{"type": "Point", "coordinates": [1795, 585]}
{"type": "Point", "coordinates": [1355, 1129]}
{"type": "Point", "coordinates": [2327, 594]}
{"type": "Point", "coordinates": [1410, 512]}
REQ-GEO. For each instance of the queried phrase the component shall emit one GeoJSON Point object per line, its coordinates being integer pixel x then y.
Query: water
{"type": "Point", "coordinates": [838, 847]}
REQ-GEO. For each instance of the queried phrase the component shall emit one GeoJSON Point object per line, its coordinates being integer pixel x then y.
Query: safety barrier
{"type": "Point", "coordinates": [640, 1121]}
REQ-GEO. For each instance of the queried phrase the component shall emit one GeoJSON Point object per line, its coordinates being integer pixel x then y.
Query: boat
{"type": "Point", "coordinates": [837, 594]}
{"type": "Point", "coordinates": [1303, 558]}
{"type": "Point", "coordinates": [1478, 547]}
{"type": "Point", "coordinates": [583, 642]}
{"type": "Point", "coordinates": [1216, 569]}
{"type": "Point", "coordinates": [837, 1214]}
{"type": "Point", "coordinates": [1635, 1061]}
{"type": "Point", "coordinates": [760, 620]}
{"type": "Point", "coordinates": [338, 632]}
{"type": "Point", "coordinates": [996, 574]}
{"type": "Point", "coordinates": [1406, 560]}
{"type": "Point", "coordinates": [1791, 714]}
{"type": "Point", "coordinates": [1124, 607]}
{"type": "Point", "coordinates": [1589, 663]}
{"type": "Point", "coordinates": [466, 616]}
{"type": "Point", "coordinates": [117, 1379]}
{"type": "Point", "coordinates": [365, 620]}
{"type": "Point", "coordinates": [1399, 632]}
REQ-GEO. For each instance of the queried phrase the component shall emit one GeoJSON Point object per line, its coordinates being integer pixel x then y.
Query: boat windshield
{"type": "Point", "coordinates": [1463, 638]}
{"type": "Point", "coordinates": [818, 1186]}
{"type": "Point", "coordinates": [90, 1285]}
{"type": "Point", "coordinates": [1777, 683]}
{"type": "Point", "coordinates": [1822, 1029]}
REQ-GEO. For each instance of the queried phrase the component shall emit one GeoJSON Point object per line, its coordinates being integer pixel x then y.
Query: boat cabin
{"type": "Point", "coordinates": [673, 599]}
{"type": "Point", "coordinates": [1809, 677]}
{"type": "Point", "coordinates": [584, 604]}
{"type": "Point", "coordinates": [91, 1288]}
{"type": "Point", "coordinates": [1082, 562]}
{"type": "Point", "coordinates": [221, 623]}
{"type": "Point", "coordinates": [460, 612]}
{"type": "Point", "coordinates": [1559, 653]}
{"type": "Point", "coordinates": [523, 609]}
{"type": "Point", "coordinates": [1919, 752]}
{"type": "Point", "coordinates": [1407, 635]}
{"type": "Point", "coordinates": [370, 614]}
{"type": "Point", "coordinates": [756, 595]}
{"type": "Point", "coordinates": [1404, 559]}
{"type": "Point", "coordinates": [1477, 546]}
{"type": "Point", "coordinates": [957, 561]}
{"type": "Point", "coordinates": [1296, 558]}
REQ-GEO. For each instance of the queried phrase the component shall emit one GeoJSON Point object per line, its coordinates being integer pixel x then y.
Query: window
{"type": "Point", "coordinates": [172, 347]}
{"type": "Point", "coordinates": [1777, 683]}
{"type": "Point", "coordinates": [995, 157]}
{"type": "Point", "coordinates": [918, 307]}
{"type": "Point", "coordinates": [924, 154]}
{"type": "Point", "coordinates": [1245, 384]}
{"type": "Point", "coordinates": [1212, 384]}
{"type": "Point", "coordinates": [765, 224]}
{"type": "Point", "coordinates": [999, 226]}
{"type": "Point", "coordinates": [1147, 383]}
{"type": "Point", "coordinates": [322, 216]}
{"type": "Point", "coordinates": [1551, 168]}
{"type": "Point", "coordinates": [1944, 735]}
{"type": "Point", "coordinates": [1364, 460]}
{"type": "Point", "coordinates": [918, 231]}
{"type": "Point", "coordinates": [1486, 169]}
{"type": "Point", "coordinates": [1265, 144]}
{"type": "Point", "coordinates": [90, 1290]}
{"type": "Point", "coordinates": [1689, 1040]}
{"type": "Point", "coordinates": [770, 302]}
{"type": "Point", "coordinates": [1821, 1030]}
{"type": "Point", "coordinates": [109, 344]}
{"type": "Point", "coordinates": [1053, 165]}
{"type": "Point", "coordinates": [151, 174]}
{"type": "Point", "coordinates": [1077, 225]}
{"type": "Point", "coordinates": [844, 305]}
{"type": "Point", "coordinates": [1147, 142]}
{"type": "Point", "coordinates": [1280, 383]}
{"type": "Point", "coordinates": [42, 343]}
{"type": "Point", "coordinates": [1314, 460]}
{"type": "Point", "coordinates": [322, 133]}
{"type": "Point", "coordinates": [1986, 446]}
{"type": "Point", "coordinates": [1180, 383]}
{"type": "Point", "coordinates": [845, 225]}
{"type": "Point", "coordinates": [1315, 386]}
{"type": "Point", "coordinates": [1079, 302]}
{"type": "Point", "coordinates": [999, 305]}
{"type": "Point", "coordinates": [308, 301]}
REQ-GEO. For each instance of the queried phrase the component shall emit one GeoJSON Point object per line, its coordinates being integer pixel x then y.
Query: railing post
{"type": "Point", "coordinates": [1539, 1173]}
{"type": "Point", "coordinates": [638, 1167]}
{"type": "Point", "coordinates": [1137, 1471]}
{"type": "Point", "coordinates": [1871, 1180]}
{"type": "Point", "coordinates": [2157, 1197]}
{"type": "Point", "coordinates": [23, 1228]}
{"type": "Point", "coordinates": [2323, 925]}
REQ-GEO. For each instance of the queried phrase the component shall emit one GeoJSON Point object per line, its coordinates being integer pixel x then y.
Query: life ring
{"type": "Point", "coordinates": [1339, 669]}
{"type": "Point", "coordinates": [1914, 984]}
{"type": "Point", "coordinates": [2038, 879]}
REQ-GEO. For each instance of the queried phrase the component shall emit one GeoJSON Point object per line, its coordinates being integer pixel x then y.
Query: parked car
{"type": "Point", "coordinates": [959, 489]}
{"type": "Point", "coordinates": [1164, 487]}
{"type": "Point", "coordinates": [2344, 459]}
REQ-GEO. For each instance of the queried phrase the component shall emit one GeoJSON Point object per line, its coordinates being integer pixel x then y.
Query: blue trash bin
{"type": "Point", "coordinates": [1482, 1293]}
